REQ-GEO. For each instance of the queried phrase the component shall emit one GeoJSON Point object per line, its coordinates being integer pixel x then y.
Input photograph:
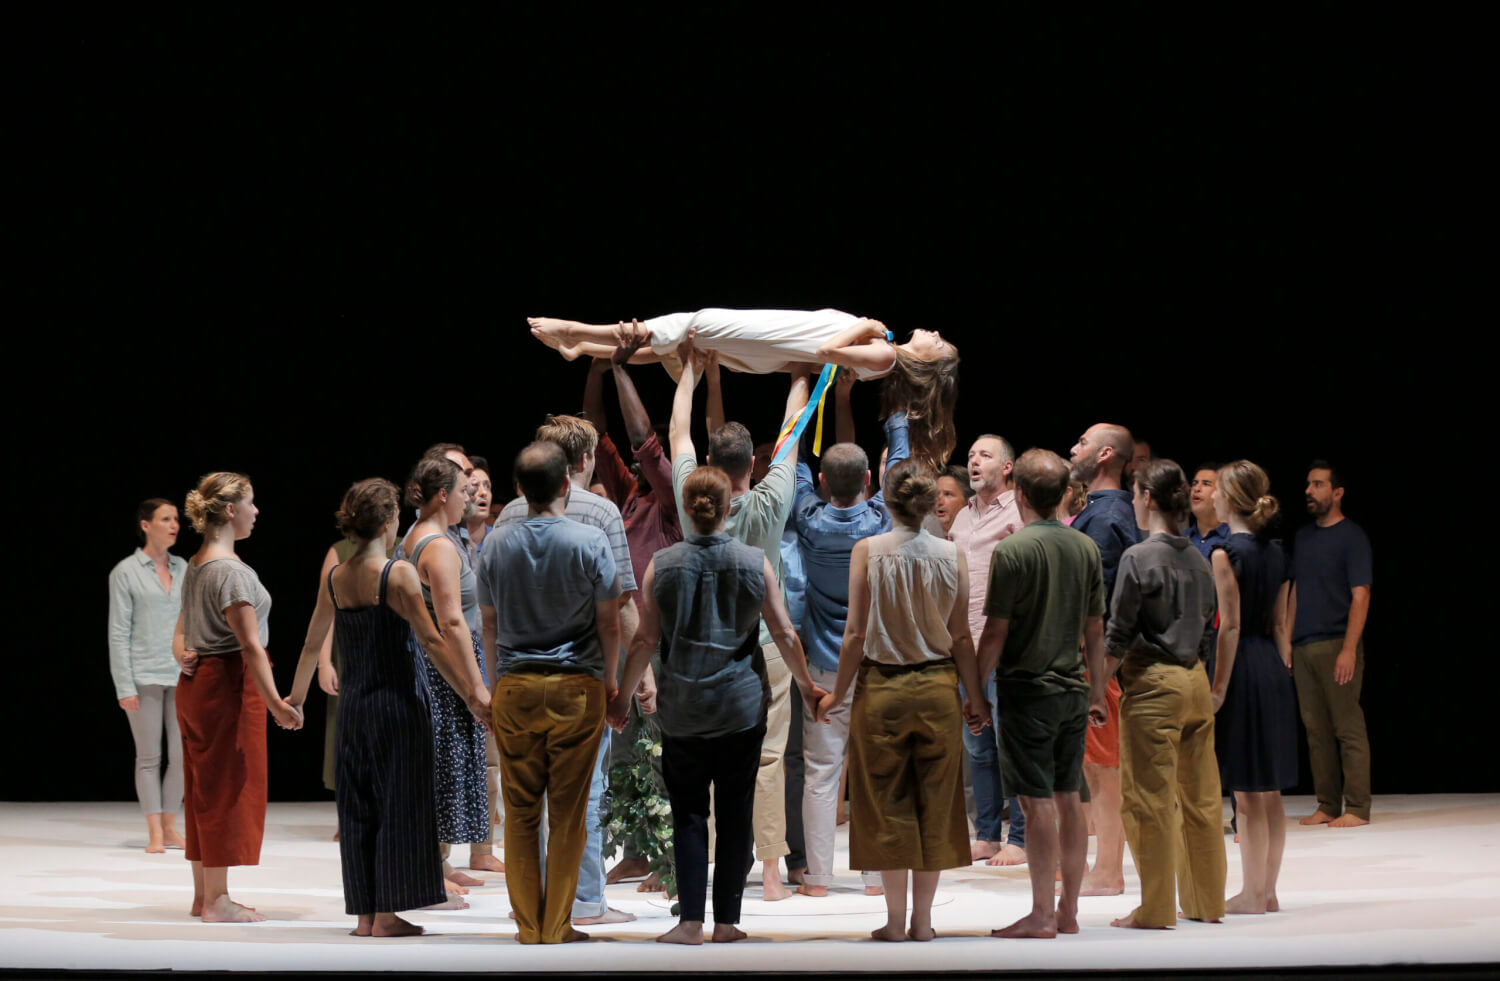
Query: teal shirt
{"type": "Point", "coordinates": [142, 619]}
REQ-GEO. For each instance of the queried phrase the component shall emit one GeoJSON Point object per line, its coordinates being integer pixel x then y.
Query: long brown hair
{"type": "Point", "coordinates": [927, 391]}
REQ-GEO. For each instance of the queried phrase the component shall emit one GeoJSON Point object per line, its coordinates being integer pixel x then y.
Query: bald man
{"type": "Point", "coordinates": [1098, 460]}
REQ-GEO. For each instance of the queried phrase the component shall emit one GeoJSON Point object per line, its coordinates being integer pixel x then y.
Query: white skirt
{"type": "Point", "coordinates": [754, 341]}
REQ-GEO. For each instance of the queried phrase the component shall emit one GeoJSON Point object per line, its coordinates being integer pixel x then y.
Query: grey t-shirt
{"type": "Point", "coordinates": [208, 590]}
{"type": "Point", "coordinates": [543, 576]}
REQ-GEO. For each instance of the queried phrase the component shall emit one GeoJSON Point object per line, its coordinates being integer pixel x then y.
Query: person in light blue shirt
{"type": "Point", "coordinates": [145, 594]}
{"type": "Point", "coordinates": [827, 532]}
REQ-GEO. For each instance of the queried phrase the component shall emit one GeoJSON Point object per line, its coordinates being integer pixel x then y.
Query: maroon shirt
{"type": "Point", "coordinates": [651, 518]}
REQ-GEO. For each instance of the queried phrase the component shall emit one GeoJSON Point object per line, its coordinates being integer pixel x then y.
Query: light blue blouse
{"type": "Point", "coordinates": [142, 618]}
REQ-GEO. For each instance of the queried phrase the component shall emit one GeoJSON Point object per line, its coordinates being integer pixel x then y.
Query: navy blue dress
{"type": "Point", "coordinates": [1255, 735]}
{"type": "Point", "coordinates": [388, 834]}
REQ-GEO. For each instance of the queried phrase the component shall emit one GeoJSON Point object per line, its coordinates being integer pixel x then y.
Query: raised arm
{"type": "Point", "coordinates": [404, 595]}
{"type": "Point", "coordinates": [637, 421]}
{"type": "Point", "coordinates": [773, 611]}
{"type": "Point", "coordinates": [843, 417]}
{"type": "Point", "coordinates": [1228, 589]}
{"type": "Point", "coordinates": [593, 394]}
{"type": "Point", "coordinates": [680, 429]}
{"type": "Point", "coordinates": [796, 399]}
{"type": "Point", "coordinates": [715, 406]}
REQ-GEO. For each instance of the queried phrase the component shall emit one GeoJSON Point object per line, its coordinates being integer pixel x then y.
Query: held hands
{"type": "Point", "coordinates": [976, 712]}
{"type": "Point", "coordinates": [628, 340]}
{"type": "Point", "coordinates": [328, 679]}
{"type": "Point", "coordinates": [287, 715]}
{"type": "Point", "coordinates": [819, 702]}
{"type": "Point", "coordinates": [1343, 668]}
{"type": "Point", "coordinates": [131, 704]}
{"type": "Point", "coordinates": [479, 707]}
{"type": "Point", "coordinates": [617, 713]}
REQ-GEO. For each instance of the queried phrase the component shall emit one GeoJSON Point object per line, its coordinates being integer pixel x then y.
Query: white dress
{"type": "Point", "coordinates": [755, 341]}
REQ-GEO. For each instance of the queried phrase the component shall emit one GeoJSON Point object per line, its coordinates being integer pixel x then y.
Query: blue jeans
{"type": "Point", "coordinates": [989, 791]}
{"type": "Point", "coordinates": [588, 899]}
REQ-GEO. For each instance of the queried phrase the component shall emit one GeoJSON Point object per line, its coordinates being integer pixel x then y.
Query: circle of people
{"type": "Point", "coordinates": [1109, 642]}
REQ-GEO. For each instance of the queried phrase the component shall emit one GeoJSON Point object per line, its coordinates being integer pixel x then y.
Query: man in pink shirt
{"type": "Point", "coordinates": [988, 517]}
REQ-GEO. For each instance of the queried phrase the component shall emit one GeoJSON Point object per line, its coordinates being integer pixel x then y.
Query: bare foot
{"type": "Point", "coordinates": [155, 847]}
{"type": "Point", "coordinates": [629, 868]}
{"type": "Point", "coordinates": [452, 902]}
{"type": "Point", "coordinates": [796, 876]}
{"type": "Point", "coordinates": [771, 888]}
{"type": "Point", "coordinates": [1039, 925]}
{"type": "Point", "coordinates": [1130, 924]}
{"type": "Point", "coordinates": [1008, 855]}
{"type": "Point", "coordinates": [173, 839]}
{"type": "Point", "coordinates": [486, 863]}
{"type": "Point", "coordinates": [226, 910]}
{"type": "Point", "coordinates": [335, 834]}
{"type": "Point", "coordinates": [817, 892]}
{"type": "Point", "coordinates": [727, 933]}
{"type": "Point", "coordinates": [982, 849]}
{"type": "Point", "coordinates": [690, 934]}
{"type": "Point", "coordinates": [460, 879]}
{"type": "Point", "coordinates": [1067, 919]}
{"type": "Point", "coordinates": [1273, 905]}
{"type": "Point", "coordinates": [454, 889]}
{"type": "Point", "coordinates": [556, 334]}
{"type": "Point", "coordinates": [1345, 820]}
{"type": "Point", "coordinates": [610, 915]}
{"type": "Point", "coordinates": [1244, 903]}
{"type": "Point", "coordinates": [1316, 817]}
{"type": "Point", "coordinates": [651, 884]}
{"type": "Point", "coordinates": [1094, 885]}
{"type": "Point", "coordinates": [364, 928]}
{"type": "Point", "coordinates": [874, 890]}
{"type": "Point", "coordinates": [575, 936]}
{"type": "Point", "coordinates": [888, 933]}
{"type": "Point", "coordinates": [391, 925]}
{"type": "Point", "coordinates": [921, 934]}
{"type": "Point", "coordinates": [197, 908]}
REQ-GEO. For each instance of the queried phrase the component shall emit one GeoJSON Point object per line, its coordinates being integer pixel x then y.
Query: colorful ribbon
{"type": "Point", "coordinates": [794, 427]}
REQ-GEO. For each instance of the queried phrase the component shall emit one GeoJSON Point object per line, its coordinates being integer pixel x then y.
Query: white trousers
{"type": "Point", "coordinates": [823, 752]}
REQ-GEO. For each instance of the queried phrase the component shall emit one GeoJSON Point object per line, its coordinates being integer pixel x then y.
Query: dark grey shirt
{"type": "Point", "coordinates": [1164, 602]}
{"type": "Point", "coordinates": [709, 590]}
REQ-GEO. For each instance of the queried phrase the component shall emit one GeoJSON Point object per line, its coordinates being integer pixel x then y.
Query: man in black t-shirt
{"type": "Point", "coordinates": [1330, 599]}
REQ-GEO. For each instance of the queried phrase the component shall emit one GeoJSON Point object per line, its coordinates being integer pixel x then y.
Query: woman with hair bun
{"type": "Point", "coordinates": [387, 808]}
{"type": "Point", "coordinates": [907, 640]}
{"type": "Point", "coordinates": [1158, 638]}
{"type": "Point", "coordinates": [145, 596]}
{"type": "Point", "coordinates": [223, 693]}
{"type": "Point", "coordinates": [438, 490]}
{"type": "Point", "coordinates": [703, 599]}
{"type": "Point", "coordinates": [1253, 693]}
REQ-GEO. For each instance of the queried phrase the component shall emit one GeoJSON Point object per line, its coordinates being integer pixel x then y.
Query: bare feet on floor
{"type": "Point", "coordinates": [817, 892]}
{"type": "Point", "coordinates": [576, 936]}
{"type": "Point", "coordinates": [1316, 817]}
{"type": "Point", "coordinates": [610, 915]}
{"type": "Point", "coordinates": [727, 933]}
{"type": "Point", "coordinates": [890, 934]}
{"type": "Point", "coordinates": [652, 883]}
{"type": "Point", "coordinates": [335, 834]}
{"type": "Point", "coordinates": [388, 925]}
{"type": "Point", "coordinates": [921, 934]}
{"type": "Point", "coordinates": [454, 889]}
{"type": "Point", "coordinates": [462, 879]}
{"type": "Point", "coordinates": [770, 882]}
{"type": "Point", "coordinates": [155, 847]}
{"type": "Point", "coordinates": [486, 863]}
{"type": "Point", "coordinates": [1096, 885]}
{"type": "Point", "coordinates": [796, 876]}
{"type": "Point", "coordinates": [690, 934]}
{"type": "Point", "coordinates": [226, 910]}
{"type": "Point", "coordinates": [1067, 919]}
{"type": "Point", "coordinates": [452, 902]}
{"type": "Point", "coordinates": [1245, 904]}
{"type": "Point", "coordinates": [1035, 925]}
{"type": "Point", "coordinates": [1130, 924]}
{"type": "Point", "coordinates": [1347, 820]}
{"type": "Point", "coordinates": [1006, 855]}
{"type": "Point", "coordinates": [173, 839]}
{"type": "Point", "coordinates": [197, 908]}
{"type": "Point", "coordinates": [625, 869]}
{"type": "Point", "coordinates": [981, 850]}
{"type": "Point", "coordinates": [1273, 905]}
{"type": "Point", "coordinates": [874, 890]}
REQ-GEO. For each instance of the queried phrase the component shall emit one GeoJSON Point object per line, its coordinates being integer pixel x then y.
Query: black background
{"type": "Point", "coordinates": [305, 251]}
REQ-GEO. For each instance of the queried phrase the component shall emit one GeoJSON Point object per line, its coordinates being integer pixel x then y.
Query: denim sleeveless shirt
{"type": "Point", "coordinates": [709, 590]}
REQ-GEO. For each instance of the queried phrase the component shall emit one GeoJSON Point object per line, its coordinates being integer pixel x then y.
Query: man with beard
{"type": "Point", "coordinates": [1330, 599]}
{"type": "Point", "coordinates": [989, 517]}
{"type": "Point", "coordinates": [1099, 459]}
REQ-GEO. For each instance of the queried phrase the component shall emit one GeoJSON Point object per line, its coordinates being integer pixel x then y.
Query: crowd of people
{"type": "Point", "coordinates": [1099, 645]}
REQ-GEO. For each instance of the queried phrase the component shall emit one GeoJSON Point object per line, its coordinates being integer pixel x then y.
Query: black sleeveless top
{"type": "Point", "coordinates": [381, 661]}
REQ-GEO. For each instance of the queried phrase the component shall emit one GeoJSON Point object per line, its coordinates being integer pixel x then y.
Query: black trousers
{"type": "Point", "coordinates": [730, 764]}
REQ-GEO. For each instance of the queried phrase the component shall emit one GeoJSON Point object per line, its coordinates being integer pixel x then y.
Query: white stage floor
{"type": "Point", "coordinates": [1421, 884]}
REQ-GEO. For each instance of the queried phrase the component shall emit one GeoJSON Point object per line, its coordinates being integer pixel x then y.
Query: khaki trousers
{"type": "Point", "coordinates": [548, 728]}
{"type": "Point", "coordinates": [1337, 744]}
{"type": "Point", "coordinates": [769, 818]}
{"type": "Point", "coordinates": [1171, 801]}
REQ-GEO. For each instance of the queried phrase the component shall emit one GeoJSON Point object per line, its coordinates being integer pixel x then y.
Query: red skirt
{"type": "Point", "coordinates": [223, 722]}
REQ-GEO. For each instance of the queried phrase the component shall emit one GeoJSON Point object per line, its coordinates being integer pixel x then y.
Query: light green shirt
{"type": "Point", "coordinates": [757, 517]}
{"type": "Point", "coordinates": [142, 619]}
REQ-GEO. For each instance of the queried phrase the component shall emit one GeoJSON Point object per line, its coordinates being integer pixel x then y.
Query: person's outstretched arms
{"type": "Point", "coordinates": [714, 406]}
{"type": "Point", "coordinates": [843, 412]}
{"type": "Point", "coordinates": [679, 430]}
{"type": "Point", "coordinates": [637, 421]}
{"type": "Point", "coordinates": [593, 394]}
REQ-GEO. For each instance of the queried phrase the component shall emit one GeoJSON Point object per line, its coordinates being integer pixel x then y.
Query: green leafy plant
{"type": "Point", "coordinates": [635, 808]}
